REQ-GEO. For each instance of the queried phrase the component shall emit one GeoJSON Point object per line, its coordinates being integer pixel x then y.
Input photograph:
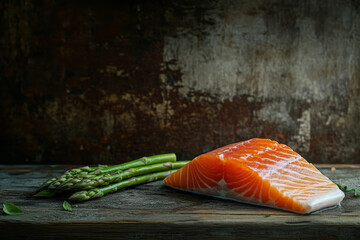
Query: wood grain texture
{"type": "Point", "coordinates": [153, 211]}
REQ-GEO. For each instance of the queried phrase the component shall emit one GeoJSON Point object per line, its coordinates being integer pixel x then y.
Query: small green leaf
{"type": "Point", "coordinates": [54, 165]}
{"type": "Point", "coordinates": [67, 206]}
{"type": "Point", "coordinates": [348, 189]}
{"type": "Point", "coordinates": [357, 193]}
{"type": "Point", "coordinates": [267, 215]}
{"type": "Point", "coordinates": [11, 209]}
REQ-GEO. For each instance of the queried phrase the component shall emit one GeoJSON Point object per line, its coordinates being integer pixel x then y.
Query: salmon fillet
{"type": "Point", "coordinates": [259, 171]}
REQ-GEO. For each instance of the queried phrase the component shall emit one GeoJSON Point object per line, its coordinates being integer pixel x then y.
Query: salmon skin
{"type": "Point", "coordinates": [259, 171]}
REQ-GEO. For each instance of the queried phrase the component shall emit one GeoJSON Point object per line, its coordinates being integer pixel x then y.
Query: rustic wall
{"type": "Point", "coordinates": [89, 82]}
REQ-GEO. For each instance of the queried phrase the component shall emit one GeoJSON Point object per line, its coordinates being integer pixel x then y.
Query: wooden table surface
{"type": "Point", "coordinates": [153, 211]}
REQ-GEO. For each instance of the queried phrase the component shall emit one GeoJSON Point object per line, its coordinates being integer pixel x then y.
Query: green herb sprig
{"type": "Point", "coordinates": [67, 206]}
{"type": "Point", "coordinates": [11, 209]}
{"type": "Point", "coordinates": [348, 189]}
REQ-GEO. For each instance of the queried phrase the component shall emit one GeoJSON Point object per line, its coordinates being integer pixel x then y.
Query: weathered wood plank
{"type": "Point", "coordinates": [155, 211]}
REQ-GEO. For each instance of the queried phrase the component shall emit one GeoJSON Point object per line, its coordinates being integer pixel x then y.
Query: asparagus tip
{"type": "Point", "coordinates": [86, 195]}
{"type": "Point", "coordinates": [45, 193]}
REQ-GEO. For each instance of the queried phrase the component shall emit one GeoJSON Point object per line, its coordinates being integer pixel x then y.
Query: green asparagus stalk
{"type": "Point", "coordinates": [169, 157]}
{"type": "Point", "coordinates": [117, 176]}
{"type": "Point", "coordinates": [68, 174]}
{"type": "Point", "coordinates": [74, 176]}
{"type": "Point", "coordinates": [45, 193]}
{"type": "Point", "coordinates": [46, 184]}
{"type": "Point", "coordinates": [99, 192]}
{"type": "Point", "coordinates": [80, 175]}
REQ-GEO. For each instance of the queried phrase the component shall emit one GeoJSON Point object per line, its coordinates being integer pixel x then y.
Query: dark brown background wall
{"type": "Point", "coordinates": [109, 81]}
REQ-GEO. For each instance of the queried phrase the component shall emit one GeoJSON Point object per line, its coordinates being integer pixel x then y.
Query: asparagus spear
{"type": "Point", "coordinates": [117, 176]}
{"type": "Point", "coordinates": [45, 193]}
{"type": "Point", "coordinates": [46, 184]}
{"type": "Point", "coordinates": [73, 176]}
{"type": "Point", "coordinates": [68, 174]}
{"type": "Point", "coordinates": [169, 157]}
{"type": "Point", "coordinates": [99, 192]}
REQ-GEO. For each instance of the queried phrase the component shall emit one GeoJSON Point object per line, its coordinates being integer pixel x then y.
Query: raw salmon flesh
{"type": "Point", "coordinates": [261, 172]}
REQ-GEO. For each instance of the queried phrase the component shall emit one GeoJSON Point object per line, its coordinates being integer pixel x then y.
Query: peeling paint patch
{"type": "Point", "coordinates": [108, 123]}
{"type": "Point", "coordinates": [276, 112]}
{"type": "Point", "coordinates": [302, 138]}
{"type": "Point", "coordinates": [241, 54]}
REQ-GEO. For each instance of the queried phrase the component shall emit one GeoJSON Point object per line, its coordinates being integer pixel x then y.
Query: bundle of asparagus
{"type": "Point", "coordinates": [93, 182]}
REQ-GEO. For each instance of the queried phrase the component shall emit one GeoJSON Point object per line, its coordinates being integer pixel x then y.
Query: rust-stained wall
{"type": "Point", "coordinates": [110, 81]}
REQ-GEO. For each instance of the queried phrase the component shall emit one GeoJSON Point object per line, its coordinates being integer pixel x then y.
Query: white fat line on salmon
{"type": "Point", "coordinates": [242, 186]}
{"type": "Point", "coordinates": [202, 182]}
{"type": "Point", "coordinates": [197, 177]}
{"type": "Point", "coordinates": [283, 156]}
{"type": "Point", "coordinates": [261, 190]}
{"type": "Point", "coordinates": [198, 180]}
{"type": "Point", "coordinates": [241, 181]}
{"type": "Point", "coordinates": [235, 146]}
{"type": "Point", "coordinates": [195, 180]}
{"type": "Point", "coordinates": [310, 180]}
{"type": "Point", "coordinates": [191, 169]}
{"type": "Point", "coordinates": [241, 197]}
{"type": "Point", "coordinates": [180, 174]}
{"type": "Point", "coordinates": [254, 188]}
{"type": "Point", "coordinates": [284, 150]}
{"type": "Point", "coordinates": [295, 193]}
{"type": "Point", "coordinates": [203, 175]}
{"type": "Point", "coordinates": [277, 166]}
{"type": "Point", "coordinates": [245, 144]}
{"type": "Point", "coordinates": [220, 189]}
{"type": "Point", "coordinates": [309, 175]}
{"type": "Point", "coordinates": [297, 168]}
{"type": "Point", "coordinates": [300, 191]}
{"type": "Point", "coordinates": [287, 182]}
{"type": "Point", "coordinates": [235, 195]}
{"type": "Point", "coordinates": [202, 167]}
{"type": "Point", "coordinates": [244, 157]}
{"type": "Point", "coordinates": [247, 190]}
{"type": "Point", "coordinates": [271, 201]}
{"type": "Point", "coordinates": [279, 182]}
